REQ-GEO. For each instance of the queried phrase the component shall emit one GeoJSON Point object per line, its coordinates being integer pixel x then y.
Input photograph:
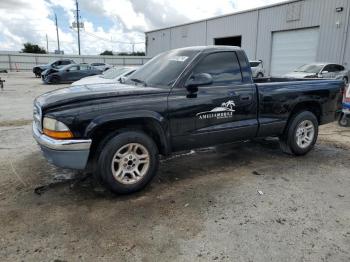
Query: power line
{"type": "Point", "coordinates": [111, 41]}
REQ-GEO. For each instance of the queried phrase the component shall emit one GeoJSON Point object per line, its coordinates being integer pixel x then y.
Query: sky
{"type": "Point", "coordinates": [108, 24]}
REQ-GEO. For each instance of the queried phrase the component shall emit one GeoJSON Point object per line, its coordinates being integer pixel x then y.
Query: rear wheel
{"type": "Point", "coordinates": [344, 120]}
{"type": "Point", "coordinates": [128, 162]}
{"type": "Point", "coordinates": [301, 134]}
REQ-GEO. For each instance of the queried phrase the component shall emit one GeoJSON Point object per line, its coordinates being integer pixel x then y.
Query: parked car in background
{"type": "Point", "coordinates": [180, 100]}
{"type": "Point", "coordinates": [257, 67]}
{"type": "Point", "coordinates": [113, 75]}
{"type": "Point", "coordinates": [69, 73]}
{"type": "Point", "coordinates": [321, 70]}
{"type": "Point", "coordinates": [101, 66]}
{"type": "Point", "coordinates": [37, 70]}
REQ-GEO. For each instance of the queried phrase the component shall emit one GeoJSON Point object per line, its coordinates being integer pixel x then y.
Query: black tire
{"type": "Point", "coordinates": [288, 141]}
{"type": "Point", "coordinates": [37, 72]}
{"type": "Point", "coordinates": [105, 158]}
{"type": "Point", "coordinates": [344, 121]}
{"type": "Point", "coordinates": [260, 75]}
{"type": "Point", "coordinates": [55, 80]}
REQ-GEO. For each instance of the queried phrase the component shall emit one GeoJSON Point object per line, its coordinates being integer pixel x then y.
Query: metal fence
{"type": "Point", "coordinates": [24, 62]}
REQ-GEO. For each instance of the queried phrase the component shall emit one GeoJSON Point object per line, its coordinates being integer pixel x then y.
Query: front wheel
{"type": "Point", "coordinates": [301, 134]}
{"type": "Point", "coordinates": [55, 80]}
{"type": "Point", "coordinates": [260, 75]}
{"type": "Point", "coordinates": [128, 162]}
{"type": "Point", "coordinates": [37, 73]}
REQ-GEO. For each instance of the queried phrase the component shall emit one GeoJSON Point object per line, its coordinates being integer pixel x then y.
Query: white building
{"type": "Point", "coordinates": [284, 35]}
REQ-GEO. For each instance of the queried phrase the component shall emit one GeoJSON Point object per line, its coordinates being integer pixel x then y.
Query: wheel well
{"type": "Point", "coordinates": [313, 107]}
{"type": "Point", "coordinates": [106, 131]}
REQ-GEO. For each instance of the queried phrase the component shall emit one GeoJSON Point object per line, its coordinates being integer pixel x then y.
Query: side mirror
{"type": "Point", "coordinates": [198, 80]}
{"type": "Point", "coordinates": [68, 70]}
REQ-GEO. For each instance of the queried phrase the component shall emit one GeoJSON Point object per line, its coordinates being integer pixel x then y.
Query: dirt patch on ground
{"type": "Point", "coordinates": [19, 122]}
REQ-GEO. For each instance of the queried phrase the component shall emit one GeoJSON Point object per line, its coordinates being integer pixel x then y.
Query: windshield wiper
{"type": "Point", "coordinates": [139, 81]}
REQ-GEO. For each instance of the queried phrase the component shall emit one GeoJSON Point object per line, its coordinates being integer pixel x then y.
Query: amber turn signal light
{"type": "Point", "coordinates": [58, 134]}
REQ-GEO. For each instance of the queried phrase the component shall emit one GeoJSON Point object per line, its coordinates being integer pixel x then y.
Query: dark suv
{"type": "Point", "coordinates": [37, 70]}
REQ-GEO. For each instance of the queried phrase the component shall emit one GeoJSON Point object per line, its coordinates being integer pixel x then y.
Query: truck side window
{"type": "Point", "coordinates": [222, 66]}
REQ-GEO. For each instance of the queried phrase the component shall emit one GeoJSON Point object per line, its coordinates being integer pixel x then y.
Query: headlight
{"type": "Point", "coordinates": [56, 129]}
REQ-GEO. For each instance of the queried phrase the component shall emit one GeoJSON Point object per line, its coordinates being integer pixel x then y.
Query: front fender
{"type": "Point", "coordinates": [158, 122]}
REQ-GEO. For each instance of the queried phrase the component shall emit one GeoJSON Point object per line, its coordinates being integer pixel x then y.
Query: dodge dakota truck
{"type": "Point", "coordinates": [181, 99]}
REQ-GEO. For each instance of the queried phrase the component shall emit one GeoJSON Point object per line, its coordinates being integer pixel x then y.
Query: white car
{"type": "Point", "coordinates": [320, 70]}
{"type": "Point", "coordinates": [111, 76]}
{"type": "Point", "coordinates": [257, 67]}
{"type": "Point", "coordinates": [101, 66]}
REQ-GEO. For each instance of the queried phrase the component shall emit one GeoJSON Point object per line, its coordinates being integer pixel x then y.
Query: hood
{"type": "Point", "coordinates": [49, 71]}
{"type": "Point", "coordinates": [43, 67]}
{"type": "Point", "coordinates": [299, 75]}
{"type": "Point", "coordinates": [97, 79]}
{"type": "Point", "coordinates": [91, 92]}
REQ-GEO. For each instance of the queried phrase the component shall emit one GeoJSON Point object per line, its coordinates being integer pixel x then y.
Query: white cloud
{"type": "Point", "coordinates": [22, 21]}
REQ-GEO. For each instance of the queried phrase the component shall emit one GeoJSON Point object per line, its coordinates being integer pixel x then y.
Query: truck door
{"type": "Point", "coordinates": [224, 111]}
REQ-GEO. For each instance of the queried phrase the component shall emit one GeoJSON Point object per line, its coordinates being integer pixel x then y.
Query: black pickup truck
{"type": "Point", "coordinates": [182, 99]}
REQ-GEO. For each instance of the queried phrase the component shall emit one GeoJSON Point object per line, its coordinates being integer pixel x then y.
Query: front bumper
{"type": "Point", "coordinates": [72, 154]}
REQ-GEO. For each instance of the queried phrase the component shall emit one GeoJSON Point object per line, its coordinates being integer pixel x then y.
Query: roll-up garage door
{"type": "Point", "coordinates": [291, 49]}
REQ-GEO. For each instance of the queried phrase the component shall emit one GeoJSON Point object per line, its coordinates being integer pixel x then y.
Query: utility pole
{"type": "Point", "coordinates": [78, 25]}
{"type": "Point", "coordinates": [133, 48]}
{"type": "Point", "coordinates": [47, 44]}
{"type": "Point", "coordinates": [58, 37]}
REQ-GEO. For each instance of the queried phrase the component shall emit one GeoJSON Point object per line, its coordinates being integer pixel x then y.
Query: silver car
{"type": "Point", "coordinates": [101, 66]}
{"type": "Point", "coordinates": [321, 70]}
{"type": "Point", "coordinates": [111, 76]}
{"type": "Point", "coordinates": [257, 67]}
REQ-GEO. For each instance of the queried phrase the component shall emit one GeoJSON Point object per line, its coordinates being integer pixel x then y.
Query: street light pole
{"type": "Point", "coordinates": [47, 44]}
{"type": "Point", "coordinates": [78, 25]}
{"type": "Point", "coordinates": [58, 37]}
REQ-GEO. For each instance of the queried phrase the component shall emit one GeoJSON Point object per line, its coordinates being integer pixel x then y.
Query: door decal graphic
{"type": "Point", "coordinates": [226, 110]}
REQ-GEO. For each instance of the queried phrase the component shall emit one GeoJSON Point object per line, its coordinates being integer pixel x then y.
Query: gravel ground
{"type": "Point", "coordinates": [241, 202]}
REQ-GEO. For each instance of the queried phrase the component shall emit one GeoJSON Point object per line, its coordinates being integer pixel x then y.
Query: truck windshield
{"type": "Point", "coordinates": [309, 69]}
{"type": "Point", "coordinates": [162, 70]}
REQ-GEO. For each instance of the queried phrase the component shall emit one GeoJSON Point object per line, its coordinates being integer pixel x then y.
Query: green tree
{"type": "Point", "coordinates": [107, 52]}
{"type": "Point", "coordinates": [32, 48]}
{"type": "Point", "coordinates": [132, 54]}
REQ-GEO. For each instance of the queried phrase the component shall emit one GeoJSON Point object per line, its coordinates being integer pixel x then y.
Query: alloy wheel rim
{"type": "Point", "coordinates": [305, 134]}
{"type": "Point", "coordinates": [130, 163]}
